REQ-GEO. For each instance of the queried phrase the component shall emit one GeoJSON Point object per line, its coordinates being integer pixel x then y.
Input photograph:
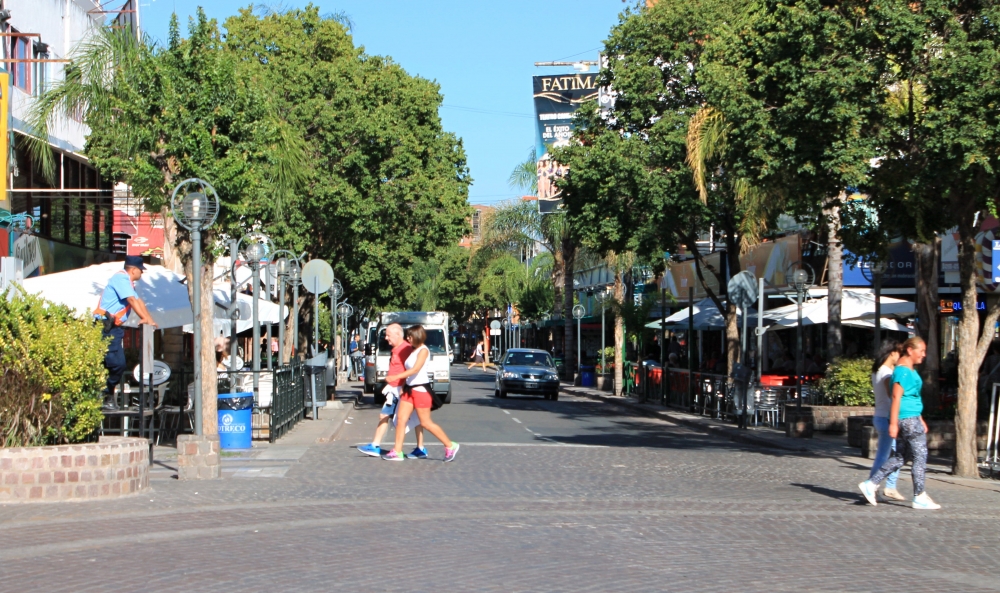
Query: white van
{"type": "Point", "coordinates": [436, 325]}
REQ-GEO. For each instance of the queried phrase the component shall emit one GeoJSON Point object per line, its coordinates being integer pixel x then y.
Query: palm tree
{"type": "Point", "coordinates": [743, 208]}
{"type": "Point", "coordinates": [553, 232]}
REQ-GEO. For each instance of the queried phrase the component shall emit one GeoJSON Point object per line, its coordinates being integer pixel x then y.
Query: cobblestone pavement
{"type": "Point", "coordinates": [573, 495]}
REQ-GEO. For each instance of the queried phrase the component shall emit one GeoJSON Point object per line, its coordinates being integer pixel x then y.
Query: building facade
{"type": "Point", "coordinates": [64, 221]}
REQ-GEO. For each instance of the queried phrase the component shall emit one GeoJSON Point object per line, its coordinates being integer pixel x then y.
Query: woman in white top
{"type": "Point", "coordinates": [885, 361]}
{"type": "Point", "coordinates": [479, 356]}
{"type": "Point", "coordinates": [417, 396]}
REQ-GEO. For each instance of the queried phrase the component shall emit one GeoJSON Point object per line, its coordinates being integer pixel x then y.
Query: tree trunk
{"type": "Point", "coordinates": [732, 323]}
{"type": "Point", "coordinates": [928, 324]}
{"type": "Point", "coordinates": [835, 279]}
{"type": "Point", "coordinates": [619, 296]}
{"type": "Point", "coordinates": [969, 360]}
{"type": "Point", "coordinates": [171, 254]}
{"type": "Point", "coordinates": [569, 337]}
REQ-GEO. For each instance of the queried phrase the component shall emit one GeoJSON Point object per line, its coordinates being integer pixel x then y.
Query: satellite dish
{"type": "Point", "coordinates": [161, 373]}
{"type": "Point", "coordinates": [317, 276]}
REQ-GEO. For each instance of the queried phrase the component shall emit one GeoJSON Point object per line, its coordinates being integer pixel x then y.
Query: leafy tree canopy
{"type": "Point", "coordinates": [385, 185]}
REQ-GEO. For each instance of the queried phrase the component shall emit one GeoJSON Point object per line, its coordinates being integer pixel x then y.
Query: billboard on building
{"type": "Point", "coordinates": [682, 275]}
{"type": "Point", "coordinates": [772, 260]}
{"type": "Point", "coordinates": [557, 97]}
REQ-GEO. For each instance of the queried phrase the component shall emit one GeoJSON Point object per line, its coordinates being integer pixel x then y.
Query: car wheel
{"type": "Point", "coordinates": [501, 393]}
{"type": "Point", "coordinates": [447, 397]}
{"type": "Point", "coordinates": [554, 396]}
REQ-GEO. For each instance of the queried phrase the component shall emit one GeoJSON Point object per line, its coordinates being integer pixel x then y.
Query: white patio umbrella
{"type": "Point", "coordinates": [706, 317]}
{"type": "Point", "coordinates": [162, 290]}
{"type": "Point", "coordinates": [854, 306]}
{"type": "Point", "coordinates": [267, 312]}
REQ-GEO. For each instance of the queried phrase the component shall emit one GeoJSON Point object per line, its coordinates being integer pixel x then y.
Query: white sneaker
{"type": "Point", "coordinates": [892, 494]}
{"type": "Point", "coordinates": [869, 490]}
{"type": "Point", "coordinates": [922, 501]}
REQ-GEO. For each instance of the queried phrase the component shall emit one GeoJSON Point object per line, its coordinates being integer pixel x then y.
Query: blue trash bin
{"type": "Point", "coordinates": [235, 411]}
{"type": "Point", "coordinates": [588, 378]}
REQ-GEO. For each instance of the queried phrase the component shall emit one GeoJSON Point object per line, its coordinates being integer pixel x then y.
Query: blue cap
{"type": "Point", "coordinates": [134, 261]}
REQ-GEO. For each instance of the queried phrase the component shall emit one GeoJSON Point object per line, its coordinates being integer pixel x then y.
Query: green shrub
{"type": "Point", "coordinates": [53, 373]}
{"type": "Point", "coordinates": [848, 383]}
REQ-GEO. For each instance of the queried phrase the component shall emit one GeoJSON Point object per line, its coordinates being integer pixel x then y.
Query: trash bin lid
{"type": "Point", "coordinates": [235, 395]}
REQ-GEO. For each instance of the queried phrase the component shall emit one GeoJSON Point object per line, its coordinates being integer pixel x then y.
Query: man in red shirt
{"type": "Point", "coordinates": [401, 350]}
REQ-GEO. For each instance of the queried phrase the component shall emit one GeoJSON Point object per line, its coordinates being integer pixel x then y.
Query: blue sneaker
{"type": "Point", "coordinates": [419, 453]}
{"type": "Point", "coordinates": [370, 449]}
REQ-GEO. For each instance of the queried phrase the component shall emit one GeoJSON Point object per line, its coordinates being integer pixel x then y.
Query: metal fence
{"type": "Point", "coordinates": [288, 402]}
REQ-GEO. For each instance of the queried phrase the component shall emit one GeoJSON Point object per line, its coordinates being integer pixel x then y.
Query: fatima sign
{"type": "Point", "coordinates": [557, 97]}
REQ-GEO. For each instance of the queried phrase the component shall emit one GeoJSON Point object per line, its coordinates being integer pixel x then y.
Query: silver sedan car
{"type": "Point", "coordinates": [527, 371]}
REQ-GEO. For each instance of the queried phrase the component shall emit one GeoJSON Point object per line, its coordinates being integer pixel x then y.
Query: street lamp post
{"type": "Point", "coordinates": [283, 268]}
{"type": "Point", "coordinates": [801, 282]}
{"type": "Point", "coordinates": [504, 345]}
{"type": "Point", "coordinates": [254, 252]}
{"type": "Point", "coordinates": [336, 291]}
{"type": "Point", "coordinates": [196, 211]}
{"type": "Point", "coordinates": [602, 297]}
{"type": "Point", "coordinates": [578, 312]}
{"type": "Point", "coordinates": [295, 277]}
{"type": "Point", "coordinates": [346, 311]}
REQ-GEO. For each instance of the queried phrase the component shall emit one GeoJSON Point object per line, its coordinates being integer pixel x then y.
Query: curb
{"type": "Point", "coordinates": [336, 424]}
{"type": "Point", "coordinates": [722, 431]}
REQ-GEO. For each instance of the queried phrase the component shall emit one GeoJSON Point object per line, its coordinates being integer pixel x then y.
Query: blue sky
{"type": "Point", "coordinates": [481, 53]}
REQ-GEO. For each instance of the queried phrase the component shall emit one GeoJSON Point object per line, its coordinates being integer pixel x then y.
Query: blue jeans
{"type": "Point", "coordinates": [886, 445]}
{"type": "Point", "coordinates": [114, 360]}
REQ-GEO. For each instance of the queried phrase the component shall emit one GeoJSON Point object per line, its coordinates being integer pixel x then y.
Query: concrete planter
{"type": "Point", "coordinates": [113, 467]}
{"type": "Point", "coordinates": [940, 437]}
{"type": "Point", "coordinates": [605, 382]}
{"type": "Point", "coordinates": [830, 419]}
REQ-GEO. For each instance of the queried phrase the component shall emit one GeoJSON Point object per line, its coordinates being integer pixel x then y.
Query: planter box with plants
{"type": "Point", "coordinates": [51, 377]}
{"type": "Point", "coordinates": [845, 393]}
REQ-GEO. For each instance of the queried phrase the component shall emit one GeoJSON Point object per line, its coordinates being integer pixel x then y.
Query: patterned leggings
{"type": "Point", "coordinates": [911, 445]}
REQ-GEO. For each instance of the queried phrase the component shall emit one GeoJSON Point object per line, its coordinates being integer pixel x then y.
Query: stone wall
{"type": "Point", "coordinates": [113, 467]}
{"type": "Point", "coordinates": [830, 419]}
{"type": "Point", "coordinates": [940, 437]}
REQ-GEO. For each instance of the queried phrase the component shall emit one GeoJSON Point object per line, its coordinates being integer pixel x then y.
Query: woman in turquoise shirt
{"type": "Point", "coordinates": [907, 426]}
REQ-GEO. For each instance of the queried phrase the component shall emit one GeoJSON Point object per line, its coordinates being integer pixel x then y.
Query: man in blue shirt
{"type": "Point", "coordinates": [117, 301]}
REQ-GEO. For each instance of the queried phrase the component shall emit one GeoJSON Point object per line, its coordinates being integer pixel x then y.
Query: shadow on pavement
{"type": "Point", "coordinates": [854, 497]}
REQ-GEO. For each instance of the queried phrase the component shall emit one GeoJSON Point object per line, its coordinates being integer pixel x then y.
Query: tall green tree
{"type": "Point", "coordinates": [386, 185]}
{"type": "Point", "coordinates": [798, 82]}
{"type": "Point", "coordinates": [161, 115]}
{"type": "Point", "coordinates": [941, 165]}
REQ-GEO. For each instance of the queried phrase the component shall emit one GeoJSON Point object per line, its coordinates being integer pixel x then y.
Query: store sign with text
{"type": "Point", "coordinates": [557, 97]}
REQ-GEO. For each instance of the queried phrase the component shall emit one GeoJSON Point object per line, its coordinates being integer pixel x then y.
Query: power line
{"type": "Point", "coordinates": [487, 111]}
{"type": "Point", "coordinates": [579, 54]}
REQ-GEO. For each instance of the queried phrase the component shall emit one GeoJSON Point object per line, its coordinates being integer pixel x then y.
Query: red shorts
{"type": "Point", "coordinates": [418, 396]}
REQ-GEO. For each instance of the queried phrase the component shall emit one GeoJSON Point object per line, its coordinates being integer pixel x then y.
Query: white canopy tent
{"type": "Point", "coordinates": [163, 291]}
{"type": "Point", "coordinates": [706, 317]}
{"type": "Point", "coordinates": [855, 307]}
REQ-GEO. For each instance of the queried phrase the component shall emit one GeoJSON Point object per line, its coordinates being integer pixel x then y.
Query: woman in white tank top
{"type": "Point", "coordinates": [417, 396]}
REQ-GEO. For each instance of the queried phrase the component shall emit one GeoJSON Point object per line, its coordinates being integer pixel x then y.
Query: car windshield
{"type": "Point", "coordinates": [533, 359]}
{"type": "Point", "coordinates": [435, 342]}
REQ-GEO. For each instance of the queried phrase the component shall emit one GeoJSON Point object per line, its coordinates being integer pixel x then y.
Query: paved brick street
{"type": "Point", "coordinates": [573, 495]}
